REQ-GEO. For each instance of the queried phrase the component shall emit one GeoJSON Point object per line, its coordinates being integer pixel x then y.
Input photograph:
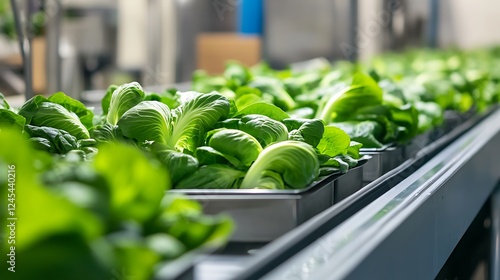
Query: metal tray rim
{"type": "Point", "coordinates": [314, 185]}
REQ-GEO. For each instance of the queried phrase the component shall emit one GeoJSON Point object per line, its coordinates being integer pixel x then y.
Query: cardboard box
{"type": "Point", "coordinates": [39, 65]}
{"type": "Point", "coordinates": [215, 49]}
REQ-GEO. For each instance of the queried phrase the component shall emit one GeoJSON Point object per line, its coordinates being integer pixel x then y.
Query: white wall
{"type": "Point", "coordinates": [469, 24]}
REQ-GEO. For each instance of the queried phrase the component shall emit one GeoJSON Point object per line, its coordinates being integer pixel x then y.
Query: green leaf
{"type": "Point", "coordinates": [166, 98]}
{"type": "Point", "coordinates": [265, 109]}
{"type": "Point", "coordinates": [405, 116]}
{"type": "Point", "coordinates": [53, 115]}
{"type": "Point", "coordinates": [294, 86]}
{"type": "Point", "coordinates": [87, 142]}
{"type": "Point", "coordinates": [233, 109]}
{"type": "Point", "coordinates": [463, 102]}
{"type": "Point", "coordinates": [441, 92]}
{"type": "Point", "coordinates": [393, 93]}
{"type": "Point", "coordinates": [264, 129]}
{"type": "Point", "coordinates": [106, 100]}
{"type": "Point", "coordinates": [328, 170]}
{"type": "Point", "coordinates": [236, 74]}
{"type": "Point", "coordinates": [246, 100]}
{"type": "Point", "coordinates": [11, 119]}
{"type": "Point", "coordinates": [331, 78]}
{"type": "Point", "coordinates": [179, 165]}
{"type": "Point", "coordinates": [430, 115]}
{"type": "Point", "coordinates": [147, 121]}
{"type": "Point", "coordinates": [202, 82]}
{"type": "Point", "coordinates": [295, 161]}
{"type": "Point", "coordinates": [61, 142]}
{"type": "Point", "coordinates": [108, 133]}
{"type": "Point", "coordinates": [275, 88]}
{"type": "Point", "coordinates": [353, 149]}
{"type": "Point", "coordinates": [42, 144]}
{"type": "Point", "coordinates": [337, 162]}
{"type": "Point", "coordinates": [368, 133]}
{"type": "Point", "coordinates": [123, 98]}
{"type": "Point", "coordinates": [362, 92]}
{"type": "Point", "coordinates": [30, 107]}
{"type": "Point", "coordinates": [236, 143]}
{"type": "Point", "coordinates": [306, 130]}
{"type": "Point", "coordinates": [302, 113]}
{"type": "Point", "coordinates": [35, 232]}
{"type": "Point", "coordinates": [194, 118]}
{"type": "Point", "coordinates": [334, 142]}
{"type": "Point", "coordinates": [136, 183]}
{"type": "Point", "coordinates": [86, 116]}
{"type": "Point", "coordinates": [246, 96]}
{"type": "Point", "coordinates": [3, 103]}
{"type": "Point", "coordinates": [271, 181]}
{"type": "Point", "coordinates": [180, 129]}
{"type": "Point", "coordinates": [134, 256]}
{"type": "Point", "coordinates": [208, 155]}
{"type": "Point", "coordinates": [213, 177]}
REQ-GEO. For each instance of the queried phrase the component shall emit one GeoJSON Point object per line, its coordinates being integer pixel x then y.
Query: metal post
{"type": "Point", "coordinates": [432, 36]}
{"type": "Point", "coordinates": [24, 45]}
{"type": "Point", "coordinates": [28, 45]}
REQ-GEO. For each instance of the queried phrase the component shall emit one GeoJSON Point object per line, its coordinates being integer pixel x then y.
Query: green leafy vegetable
{"type": "Point", "coordinates": [84, 114]}
{"type": "Point", "coordinates": [334, 142]}
{"type": "Point", "coordinates": [265, 109]}
{"type": "Point", "coordinates": [179, 164]}
{"type": "Point", "coordinates": [264, 129]}
{"type": "Point", "coordinates": [274, 87]}
{"type": "Point", "coordinates": [180, 129]}
{"type": "Point", "coordinates": [295, 161]}
{"type": "Point", "coordinates": [53, 140]}
{"type": "Point", "coordinates": [106, 100]}
{"type": "Point", "coordinates": [208, 155]}
{"type": "Point", "coordinates": [196, 116]}
{"type": "Point", "coordinates": [235, 143]}
{"type": "Point", "coordinates": [39, 111]}
{"type": "Point", "coordinates": [237, 74]}
{"type": "Point", "coordinates": [148, 121]}
{"type": "Point", "coordinates": [3, 103]}
{"type": "Point", "coordinates": [309, 131]}
{"type": "Point", "coordinates": [10, 119]}
{"type": "Point", "coordinates": [123, 98]}
{"type": "Point", "coordinates": [368, 133]}
{"type": "Point", "coordinates": [137, 184]}
{"type": "Point", "coordinates": [362, 92]}
{"type": "Point", "coordinates": [214, 176]}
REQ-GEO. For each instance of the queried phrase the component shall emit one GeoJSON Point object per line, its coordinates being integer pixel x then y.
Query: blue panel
{"type": "Point", "coordinates": [250, 17]}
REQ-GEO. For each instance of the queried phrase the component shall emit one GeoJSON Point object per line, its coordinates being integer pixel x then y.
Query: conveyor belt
{"type": "Point", "coordinates": [407, 232]}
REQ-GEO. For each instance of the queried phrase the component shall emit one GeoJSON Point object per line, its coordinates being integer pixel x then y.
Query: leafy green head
{"type": "Point", "coordinates": [296, 162]}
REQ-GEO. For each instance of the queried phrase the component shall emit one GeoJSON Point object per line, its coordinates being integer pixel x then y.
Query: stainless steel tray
{"type": "Point", "coordinates": [388, 157]}
{"type": "Point", "coordinates": [264, 215]}
{"type": "Point", "coordinates": [348, 184]}
{"type": "Point", "coordinates": [417, 144]}
{"type": "Point", "coordinates": [382, 161]}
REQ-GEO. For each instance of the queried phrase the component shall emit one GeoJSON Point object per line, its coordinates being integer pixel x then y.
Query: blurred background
{"type": "Point", "coordinates": [82, 46]}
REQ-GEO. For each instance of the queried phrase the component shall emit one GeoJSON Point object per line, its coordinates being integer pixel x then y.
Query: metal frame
{"type": "Point", "coordinates": [495, 235]}
{"type": "Point", "coordinates": [25, 44]}
{"type": "Point", "coordinates": [264, 215]}
{"type": "Point", "coordinates": [410, 231]}
{"type": "Point", "coordinates": [296, 242]}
